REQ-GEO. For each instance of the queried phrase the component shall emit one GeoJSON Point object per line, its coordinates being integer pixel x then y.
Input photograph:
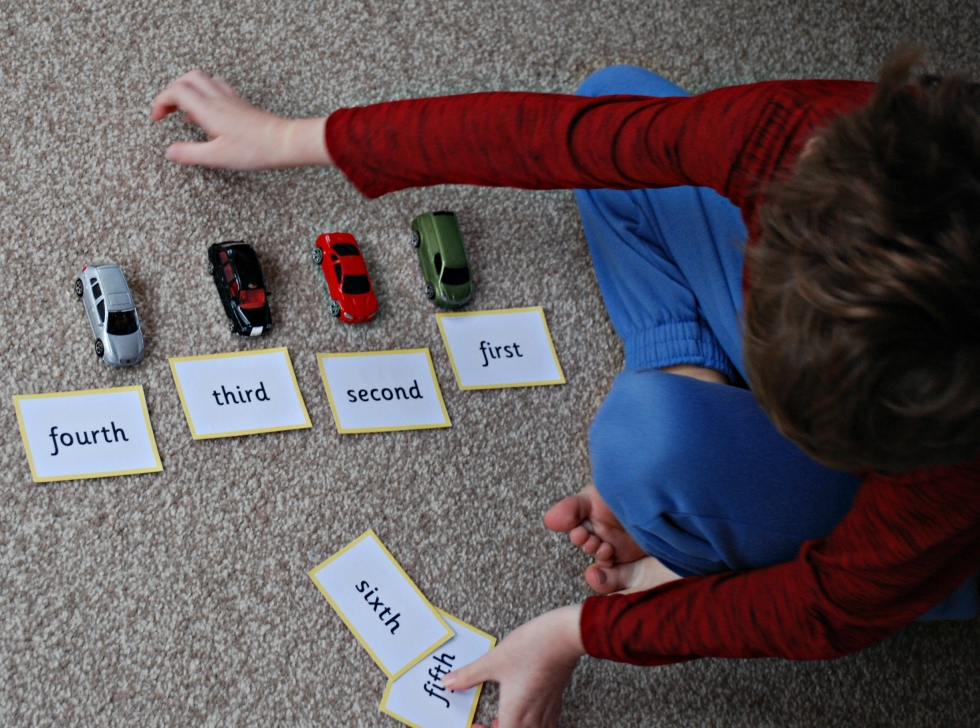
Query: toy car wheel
{"type": "Point", "coordinates": [416, 239]}
{"type": "Point", "coordinates": [430, 291]}
{"type": "Point", "coordinates": [317, 256]}
{"type": "Point", "coordinates": [79, 287]}
{"type": "Point", "coordinates": [99, 348]}
{"type": "Point", "coordinates": [231, 326]}
{"type": "Point", "coordinates": [210, 267]}
{"type": "Point", "coordinates": [334, 308]}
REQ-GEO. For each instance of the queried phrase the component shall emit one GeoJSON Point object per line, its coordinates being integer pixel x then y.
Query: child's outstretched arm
{"type": "Point", "coordinates": [240, 136]}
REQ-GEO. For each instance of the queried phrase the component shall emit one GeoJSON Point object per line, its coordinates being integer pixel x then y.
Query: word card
{"type": "Point", "coordinates": [381, 391]}
{"type": "Point", "coordinates": [240, 393]}
{"type": "Point", "coordinates": [419, 699]}
{"type": "Point", "coordinates": [495, 349]}
{"type": "Point", "coordinates": [380, 604]}
{"type": "Point", "coordinates": [93, 433]}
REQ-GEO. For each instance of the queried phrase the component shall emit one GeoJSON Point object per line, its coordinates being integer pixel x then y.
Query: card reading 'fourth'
{"type": "Point", "coordinates": [380, 604]}
{"type": "Point", "coordinates": [380, 391]}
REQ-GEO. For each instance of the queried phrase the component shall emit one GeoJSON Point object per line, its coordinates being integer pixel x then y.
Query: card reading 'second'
{"type": "Point", "coordinates": [381, 391]}
{"type": "Point", "coordinates": [419, 699]}
{"type": "Point", "coordinates": [381, 605]}
{"type": "Point", "coordinates": [496, 349]}
{"type": "Point", "coordinates": [239, 393]}
{"type": "Point", "coordinates": [88, 434]}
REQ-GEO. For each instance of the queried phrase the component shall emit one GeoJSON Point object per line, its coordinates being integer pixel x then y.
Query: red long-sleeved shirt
{"type": "Point", "coordinates": [909, 539]}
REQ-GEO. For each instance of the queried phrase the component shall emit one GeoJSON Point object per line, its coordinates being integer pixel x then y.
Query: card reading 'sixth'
{"type": "Point", "coordinates": [380, 604]}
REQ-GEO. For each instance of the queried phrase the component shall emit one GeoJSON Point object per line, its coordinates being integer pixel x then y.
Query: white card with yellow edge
{"type": "Point", "coordinates": [496, 349]}
{"type": "Point", "coordinates": [380, 604]}
{"type": "Point", "coordinates": [419, 699]}
{"type": "Point", "coordinates": [239, 393]}
{"type": "Point", "coordinates": [383, 391]}
{"type": "Point", "coordinates": [93, 433]}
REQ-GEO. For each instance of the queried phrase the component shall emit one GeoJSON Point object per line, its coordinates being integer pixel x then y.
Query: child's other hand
{"type": "Point", "coordinates": [240, 136]}
{"type": "Point", "coordinates": [533, 665]}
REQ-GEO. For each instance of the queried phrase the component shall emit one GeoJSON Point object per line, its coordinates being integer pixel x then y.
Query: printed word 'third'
{"type": "Point", "coordinates": [242, 398]}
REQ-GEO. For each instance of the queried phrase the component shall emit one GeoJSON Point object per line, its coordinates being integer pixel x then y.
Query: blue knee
{"type": "Point", "coordinates": [625, 79]}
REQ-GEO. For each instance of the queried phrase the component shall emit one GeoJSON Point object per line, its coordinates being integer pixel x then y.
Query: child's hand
{"type": "Point", "coordinates": [533, 665]}
{"type": "Point", "coordinates": [240, 136]}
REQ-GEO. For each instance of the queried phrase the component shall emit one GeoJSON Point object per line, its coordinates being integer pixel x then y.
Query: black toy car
{"type": "Point", "coordinates": [238, 276]}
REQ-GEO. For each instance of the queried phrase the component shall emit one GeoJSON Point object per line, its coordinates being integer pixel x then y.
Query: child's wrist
{"type": "Point", "coordinates": [301, 143]}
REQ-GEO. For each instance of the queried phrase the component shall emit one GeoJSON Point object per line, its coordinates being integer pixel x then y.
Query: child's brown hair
{"type": "Point", "coordinates": [862, 324]}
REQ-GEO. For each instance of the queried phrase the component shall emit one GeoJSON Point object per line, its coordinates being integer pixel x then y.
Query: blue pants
{"type": "Point", "coordinates": [695, 472]}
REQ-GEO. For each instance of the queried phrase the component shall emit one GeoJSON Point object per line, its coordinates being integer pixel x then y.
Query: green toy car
{"type": "Point", "coordinates": [443, 259]}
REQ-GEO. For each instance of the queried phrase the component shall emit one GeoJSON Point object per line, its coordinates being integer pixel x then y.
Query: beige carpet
{"type": "Point", "coordinates": [181, 598]}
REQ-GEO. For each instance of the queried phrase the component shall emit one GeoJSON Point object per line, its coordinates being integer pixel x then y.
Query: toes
{"type": "Point", "coordinates": [592, 544]}
{"type": "Point", "coordinates": [605, 552]}
{"type": "Point", "coordinates": [568, 513]}
{"type": "Point", "coordinates": [646, 573]}
{"type": "Point", "coordinates": [579, 535]}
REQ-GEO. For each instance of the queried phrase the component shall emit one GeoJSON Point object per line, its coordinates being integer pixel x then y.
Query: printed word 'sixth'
{"type": "Point", "coordinates": [376, 603]}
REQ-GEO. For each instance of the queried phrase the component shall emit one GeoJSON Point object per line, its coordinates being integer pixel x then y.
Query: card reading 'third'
{"type": "Point", "coordinates": [239, 393]}
{"type": "Point", "coordinates": [88, 434]}
{"type": "Point", "coordinates": [380, 604]}
{"type": "Point", "coordinates": [381, 391]}
{"type": "Point", "coordinates": [419, 699]}
{"type": "Point", "coordinates": [495, 349]}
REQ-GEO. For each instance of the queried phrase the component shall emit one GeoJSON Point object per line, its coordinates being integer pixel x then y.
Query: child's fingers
{"type": "Point", "coordinates": [192, 153]}
{"type": "Point", "coordinates": [471, 675]}
{"type": "Point", "coordinates": [176, 96]}
{"type": "Point", "coordinates": [224, 85]}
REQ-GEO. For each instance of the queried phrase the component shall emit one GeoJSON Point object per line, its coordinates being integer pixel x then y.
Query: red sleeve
{"type": "Point", "coordinates": [908, 542]}
{"type": "Point", "coordinates": [727, 139]}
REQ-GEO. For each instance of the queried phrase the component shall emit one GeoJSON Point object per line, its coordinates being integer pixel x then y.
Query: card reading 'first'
{"type": "Point", "coordinates": [381, 391]}
{"type": "Point", "coordinates": [241, 393]}
{"type": "Point", "coordinates": [90, 434]}
{"type": "Point", "coordinates": [495, 349]}
{"type": "Point", "coordinates": [419, 699]}
{"type": "Point", "coordinates": [380, 604]}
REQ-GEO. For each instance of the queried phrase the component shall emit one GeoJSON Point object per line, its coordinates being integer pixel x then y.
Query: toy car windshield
{"type": "Point", "coordinates": [355, 284]}
{"type": "Point", "coordinates": [345, 249]}
{"type": "Point", "coordinates": [122, 323]}
{"type": "Point", "coordinates": [455, 276]}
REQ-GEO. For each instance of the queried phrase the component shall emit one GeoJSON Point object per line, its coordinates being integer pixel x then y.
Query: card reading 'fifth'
{"type": "Point", "coordinates": [384, 609]}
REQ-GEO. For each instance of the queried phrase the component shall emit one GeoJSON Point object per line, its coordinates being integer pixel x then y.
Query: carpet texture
{"type": "Point", "coordinates": [182, 598]}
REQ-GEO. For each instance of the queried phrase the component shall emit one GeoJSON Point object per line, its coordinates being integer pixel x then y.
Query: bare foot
{"type": "Point", "coordinates": [591, 526]}
{"type": "Point", "coordinates": [640, 575]}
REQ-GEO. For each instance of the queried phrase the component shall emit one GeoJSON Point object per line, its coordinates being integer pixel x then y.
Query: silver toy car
{"type": "Point", "coordinates": [112, 313]}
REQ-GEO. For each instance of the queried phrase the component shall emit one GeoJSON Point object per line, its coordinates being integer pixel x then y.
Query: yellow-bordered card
{"type": "Point", "coordinates": [496, 349]}
{"type": "Point", "coordinates": [419, 699]}
{"type": "Point", "coordinates": [94, 433]}
{"type": "Point", "coordinates": [239, 393]}
{"type": "Point", "coordinates": [381, 391]}
{"type": "Point", "coordinates": [380, 604]}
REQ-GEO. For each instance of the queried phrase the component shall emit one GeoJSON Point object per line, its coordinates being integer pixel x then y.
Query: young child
{"type": "Point", "coordinates": [836, 501]}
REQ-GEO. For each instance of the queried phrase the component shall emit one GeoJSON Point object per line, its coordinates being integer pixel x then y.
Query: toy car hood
{"type": "Point", "coordinates": [124, 349]}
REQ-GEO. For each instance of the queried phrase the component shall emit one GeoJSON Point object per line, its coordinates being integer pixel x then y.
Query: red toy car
{"type": "Point", "coordinates": [352, 298]}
